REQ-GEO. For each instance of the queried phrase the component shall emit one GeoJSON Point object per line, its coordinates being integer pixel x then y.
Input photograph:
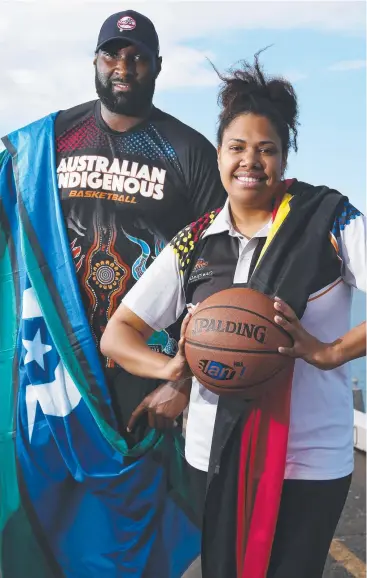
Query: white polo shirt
{"type": "Point", "coordinates": [320, 444]}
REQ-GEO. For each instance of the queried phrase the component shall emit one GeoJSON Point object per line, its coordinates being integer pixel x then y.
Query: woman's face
{"type": "Point", "coordinates": [250, 160]}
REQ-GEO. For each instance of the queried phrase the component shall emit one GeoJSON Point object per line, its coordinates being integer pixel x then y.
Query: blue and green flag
{"type": "Point", "coordinates": [75, 502]}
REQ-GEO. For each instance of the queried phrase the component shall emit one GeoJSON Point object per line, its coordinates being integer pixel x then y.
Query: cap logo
{"type": "Point", "coordinates": [126, 23]}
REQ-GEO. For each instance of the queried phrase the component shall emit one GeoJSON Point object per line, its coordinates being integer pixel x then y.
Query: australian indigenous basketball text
{"type": "Point", "coordinates": [98, 173]}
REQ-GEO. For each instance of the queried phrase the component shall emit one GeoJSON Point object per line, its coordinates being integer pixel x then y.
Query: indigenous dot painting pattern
{"type": "Point", "coordinates": [146, 142]}
{"type": "Point", "coordinates": [184, 242]}
{"type": "Point", "coordinates": [347, 214]}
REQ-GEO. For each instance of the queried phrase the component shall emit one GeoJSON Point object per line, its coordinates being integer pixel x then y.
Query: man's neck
{"type": "Point", "coordinates": [120, 122]}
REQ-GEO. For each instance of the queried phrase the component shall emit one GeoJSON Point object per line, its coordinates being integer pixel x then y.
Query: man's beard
{"type": "Point", "coordinates": [133, 103]}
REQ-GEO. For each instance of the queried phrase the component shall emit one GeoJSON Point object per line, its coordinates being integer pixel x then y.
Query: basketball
{"type": "Point", "coordinates": [232, 340]}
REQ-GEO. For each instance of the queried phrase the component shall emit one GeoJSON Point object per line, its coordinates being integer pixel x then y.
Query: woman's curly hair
{"type": "Point", "coordinates": [247, 89]}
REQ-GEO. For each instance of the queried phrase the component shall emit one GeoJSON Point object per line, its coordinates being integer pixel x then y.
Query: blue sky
{"type": "Point", "coordinates": [320, 46]}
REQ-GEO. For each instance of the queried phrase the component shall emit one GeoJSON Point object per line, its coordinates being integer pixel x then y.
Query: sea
{"type": "Point", "coordinates": [358, 367]}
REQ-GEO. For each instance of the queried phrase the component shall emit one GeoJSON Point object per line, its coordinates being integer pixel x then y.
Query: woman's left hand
{"type": "Point", "coordinates": [305, 346]}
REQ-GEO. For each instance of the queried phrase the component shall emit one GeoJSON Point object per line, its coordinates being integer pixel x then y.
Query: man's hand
{"type": "Point", "coordinates": [163, 405]}
{"type": "Point", "coordinates": [169, 400]}
{"type": "Point", "coordinates": [305, 346]}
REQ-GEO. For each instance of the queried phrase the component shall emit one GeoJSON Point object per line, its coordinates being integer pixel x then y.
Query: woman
{"type": "Point", "coordinates": [304, 246]}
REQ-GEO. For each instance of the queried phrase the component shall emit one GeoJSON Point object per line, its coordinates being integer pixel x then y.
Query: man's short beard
{"type": "Point", "coordinates": [134, 103]}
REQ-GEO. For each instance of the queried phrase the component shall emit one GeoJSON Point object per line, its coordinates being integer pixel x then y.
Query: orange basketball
{"type": "Point", "coordinates": [232, 341]}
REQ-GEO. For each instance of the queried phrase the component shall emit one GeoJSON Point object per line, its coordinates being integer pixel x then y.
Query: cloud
{"type": "Point", "coordinates": [294, 75]}
{"type": "Point", "coordinates": [46, 47]}
{"type": "Point", "coordinates": [186, 67]}
{"type": "Point", "coordinates": [344, 65]}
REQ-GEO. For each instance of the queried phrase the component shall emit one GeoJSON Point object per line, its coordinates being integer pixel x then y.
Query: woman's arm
{"type": "Point", "coordinates": [349, 232]}
{"type": "Point", "coordinates": [351, 346]}
{"type": "Point", "coordinates": [125, 341]}
{"type": "Point", "coordinates": [155, 302]}
{"type": "Point", "coordinates": [322, 355]}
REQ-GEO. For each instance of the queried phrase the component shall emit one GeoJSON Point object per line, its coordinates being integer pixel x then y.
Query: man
{"type": "Point", "coordinates": [130, 176]}
{"type": "Point", "coordinates": [88, 198]}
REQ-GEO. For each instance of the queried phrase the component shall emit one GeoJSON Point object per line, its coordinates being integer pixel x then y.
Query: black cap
{"type": "Point", "coordinates": [131, 27]}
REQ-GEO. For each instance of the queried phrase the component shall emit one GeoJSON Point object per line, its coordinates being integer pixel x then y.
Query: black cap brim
{"type": "Point", "coordinates": [128, 41]}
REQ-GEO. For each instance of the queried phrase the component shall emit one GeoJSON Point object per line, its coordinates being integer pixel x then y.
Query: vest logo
{"type": "Point", "coordinates": [217, 370]}
{"type": "Point", "coordinates": [247, 330]}
{"type": "Point", "coordinates": [200, 264]}
{"type": "Point", "coordinates": [198, 273]}
{"type": "Point", "coordinates": [126, 23]}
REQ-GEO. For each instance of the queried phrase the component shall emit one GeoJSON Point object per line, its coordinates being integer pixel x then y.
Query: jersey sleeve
{"type": "Point", "coordinates": [197, 159]}
{"type": "Point", "coordinates": [349, 232]}
{"type": "Point", "coordinates": [158, 297]}
{"type": "Point", "coordinates": [205, 189]}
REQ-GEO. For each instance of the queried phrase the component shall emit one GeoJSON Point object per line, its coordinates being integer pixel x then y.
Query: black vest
{"type": "Point", "coordinates": [299, 261]}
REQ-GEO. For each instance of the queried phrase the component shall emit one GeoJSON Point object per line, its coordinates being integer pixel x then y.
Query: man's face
{"type": "Point", "coordinates": [125, 78]}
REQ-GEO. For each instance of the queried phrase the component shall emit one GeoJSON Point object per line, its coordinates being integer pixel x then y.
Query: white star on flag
{"type": "Point", "coordinates": [57, 398]}
{"type": "Point", "coordinates": [36, 350]}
